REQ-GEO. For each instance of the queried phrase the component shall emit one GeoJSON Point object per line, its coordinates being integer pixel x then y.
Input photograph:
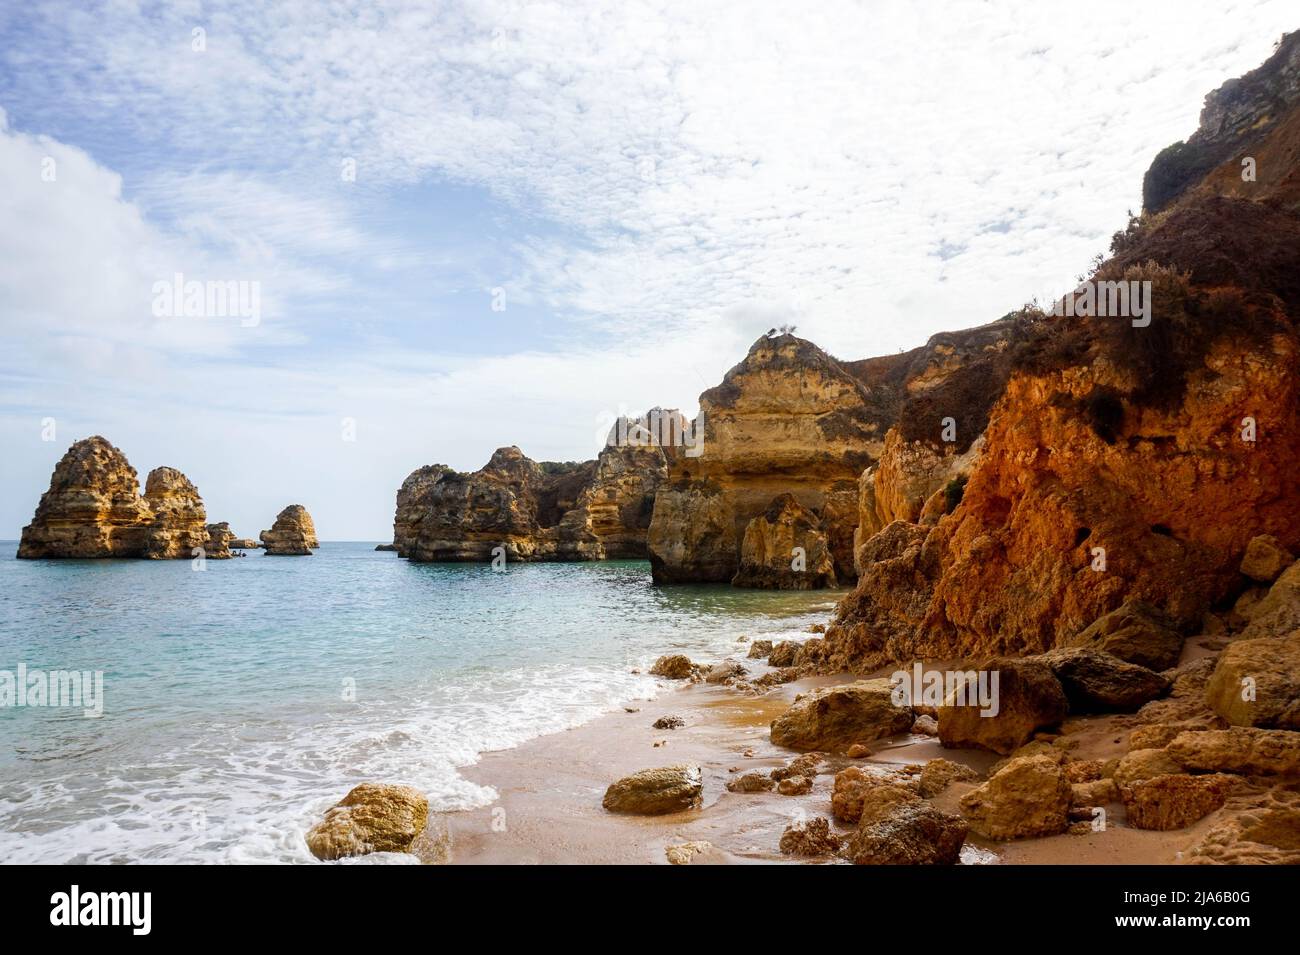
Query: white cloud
{"type": "Point", "coordinates": [675, 178]}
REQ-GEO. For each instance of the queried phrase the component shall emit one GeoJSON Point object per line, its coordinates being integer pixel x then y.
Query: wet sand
{"type": "Point", "coordinates": [550, 790]}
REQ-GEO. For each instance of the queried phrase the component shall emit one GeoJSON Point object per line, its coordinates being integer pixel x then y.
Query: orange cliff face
{"type": "Point", "coordinates": [1122, 461]}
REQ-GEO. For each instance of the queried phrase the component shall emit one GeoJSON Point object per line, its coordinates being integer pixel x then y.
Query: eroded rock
{"type": "Point", "coordinates": [372, 817]}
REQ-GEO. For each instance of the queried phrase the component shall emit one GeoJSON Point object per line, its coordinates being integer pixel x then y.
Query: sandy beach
{"type": "Point", "coordinates": [549, 810]}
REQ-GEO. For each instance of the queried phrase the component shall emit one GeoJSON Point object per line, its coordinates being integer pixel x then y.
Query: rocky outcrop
{"type": "Point", "coordinates": [1125, 457]}
{"type": "Point", "coordinates": [1239, 119]}
{"type": "Point", "coordinates": [532, 511]}
{"type": "Point", "coordinates": [654, 792]}
{"type": "Point", "coordinates": [372, 817]}
{"type": "Point", "coordinates": [786, 419]}
{"type": "Point", "coordinates": [292, 535]}
{"type": "Point", "coordinates": [94, 508]}
{"type": "Point", "coordinates": [1096, 682]}
{"type": "Point", "coordinates": [1241, 750]}
{"type": "Point", "coordinates": [219, 540]}
{"type": "Point", "coordinates": [833, 718]}
{"type": "Point", "coordinates": [785, 548]}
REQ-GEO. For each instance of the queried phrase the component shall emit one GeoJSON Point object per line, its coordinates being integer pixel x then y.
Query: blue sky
{"type": "Point", "coordinates": [651, 184]}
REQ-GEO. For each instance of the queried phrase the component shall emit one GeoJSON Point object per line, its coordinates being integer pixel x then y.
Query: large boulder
{"type": "Point", "coordinates": [372, 817]}
{"type": "Point", "coordinates": [1265, 559]}
{"type": "Point", "coordinates": [1096, 682]}
{"type": "Point", "coordinates": [1029, 797]}
{"type": "Point", "coordinates": [654, 792]}
{"type": "Point", "coordinates": [292, 535]}
{"type": "Point", "coordinates": [1243, 750]}
{"type": "Point", "coordinates": [1173, 801]}
{"type": "Point", "coordinates": [1277, 612]}
{"type": "Point", "coordinates": [914, 833]}
{"type": "Point", "coordinates": [1257, 682]}
{"type": "Point", "coordinates": [1137, 633]}
{"type": "Point", "coordinates": [673, 666]}
{"type": "Point", "coordinates": [1028, 698]}
{"type": "Point", "coordinates": [785, 548]}
{"type": "Point", "coordinates": [833, 718]}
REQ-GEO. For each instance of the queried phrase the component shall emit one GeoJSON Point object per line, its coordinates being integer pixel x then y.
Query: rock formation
{"type": "Point", "coordinates": [293, 534]}
{"type": "Point", "coordinates": [94, 508]}
{"type": "Point", "coordinates": [785, 548]}
{"type": "Point", "coordinates": [591, 510]}
{"type": "Point", "coordinates": [1122, 460]}
{"type": "Point", "coordinates": [372, 817]}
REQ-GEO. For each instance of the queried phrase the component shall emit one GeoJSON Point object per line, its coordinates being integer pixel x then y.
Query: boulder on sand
{"type": "Point", "coordinates": [1028, 697]}
{"type": "Point", "coordinates": [1027, 798]}
{"type": "Point", "coordinates": [372, 817]}
{"type": "Point", "coordinates": [833, 718]}
{"type": "Point", "coordinates": [654, 792]}
{"type": "Point", "coordinates": [673, 666]}
{"type": "Point", "coordinates": [1257, 683]}
{"type": "Point", "coordinates": [1243, 750]}
{"type": "Point", "coordinates": [914, 833]}
{"type": "Point", "coordinates": [1097, 682]}
{"type": "Point", "coordinates": [812, 838]}
{"type": "Point", "coordinates": [1173, 801]}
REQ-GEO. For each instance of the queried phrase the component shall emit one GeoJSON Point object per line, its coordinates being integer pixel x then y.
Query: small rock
{"type": "Point", "coordinates": [805, 765]}
{"type": "Point", "coordinates": [1270, 666]}
{"type": "Point", "coordinates": [674, 666]}
{"type": "Point", "coordinates": [939, 774]}
{"type": "Point", "coordinates": [759, 649]}
{"type": "Point", "coordinates": [795, 785]}
{"type": "Point", "coordinates": [669, 723]}
{"type": "Point", "coordinates": [814, 838]}
{"type": "Point", "coordinates": [751, 783]}
{"type": "Point", "coordinates": [925, 725]}
{"type": "Point", "coordinates": [857, 793]}
{"type": "Point", "coordinates": [783, 654]}
{"type": "Point", "coordinates": [726, 670]}
{"type": "Point", "coordinates": [858, 751]}
{"type": "Point", "coordinates": [1099, 792]}
{"type": "Point", "coordinates": [1243, 750]}
{"type": "Point", "coordinates": [1144, 764]}
{"type": "Point", "coordinates": [684, 853]}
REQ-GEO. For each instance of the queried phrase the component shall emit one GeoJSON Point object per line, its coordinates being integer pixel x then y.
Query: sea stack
{"type": "Point", "coordinates": [93, 508]}
{"type": "Point", "coordinates": [292, 535]}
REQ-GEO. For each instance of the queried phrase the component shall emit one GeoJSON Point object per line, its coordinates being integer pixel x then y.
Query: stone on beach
{"type": "Point", "coordinates": [372, 817]}
{"type": "Point", "coordinates": [1098, 682]}
{"type": "Point", "coordinates": [653, 792]}
{"type": "Point", "coordinates": [685, 853]}
{"type": "Point", "coordinates": [1173, 801]}
{"type": "Point", "coordinates": [1028, 698]}
{"type": "Point", "coordinates": [1257, 683]}
{"type": "Point", "coordinates": [1136, 632]}
{"type": "Point", "coordinates": [914, 833]}
{"type": "Point", "coordinates": [751, 783]}
{"type": "Point", "coordinates": [812, 838]}
{"type": "Point", "coordinates": [759, 649]}
{"type": "Point", "coordinates": [1243, 750]}
{"type": "Point", "coordinates": [833, 718]}
{"type": "Point", "coordinates": [939, 774]}
{"type": "Point", "coordinates": [1027, 798]}
{"type": "Point", "coordinates": [783, 654]}
{"type": "Point", "coordinates": [673, 666]}
{"type": "Point", "coordinates": [858, 793]}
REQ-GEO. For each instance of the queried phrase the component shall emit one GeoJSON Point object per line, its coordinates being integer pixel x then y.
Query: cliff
{"type": "Point", "coordinates": [1122, 461]}
{"type": "Point", "coordinates": [94, 508]}
{"type": "Point", "coordinates": [591, 510]}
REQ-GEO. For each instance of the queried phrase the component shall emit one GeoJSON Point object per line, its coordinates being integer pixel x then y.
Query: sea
{"type": "Point", "coordinates": [242, 698]}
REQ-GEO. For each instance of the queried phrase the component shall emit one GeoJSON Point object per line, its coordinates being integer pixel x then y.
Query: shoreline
{"type": "Point", "coordinates": [549, 811]}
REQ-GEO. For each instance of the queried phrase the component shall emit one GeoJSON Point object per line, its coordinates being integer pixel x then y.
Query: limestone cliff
{"type": "Point", "coordinates": [785, 548]}
{"type": "Point", "coordinates": [292, 535]}
{"type": "Point", "coordinates": [591, 510]}
{"type": "Point", "coordinates": [1122, 460]}
{"type": "Point", "coordinates": [93, 508]}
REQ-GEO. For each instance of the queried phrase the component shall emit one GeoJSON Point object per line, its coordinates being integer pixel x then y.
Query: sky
{"type": "Point", "coordinates": [470, 225]}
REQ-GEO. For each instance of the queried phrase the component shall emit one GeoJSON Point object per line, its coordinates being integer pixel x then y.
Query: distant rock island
{"type": "Point", "coordinates": [292, 535]}
{"type": "Point", "coordinates": [94, 508]}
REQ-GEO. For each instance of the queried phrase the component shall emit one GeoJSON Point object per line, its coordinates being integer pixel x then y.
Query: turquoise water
{"type": "Point", "coordinates": [243, 700]}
